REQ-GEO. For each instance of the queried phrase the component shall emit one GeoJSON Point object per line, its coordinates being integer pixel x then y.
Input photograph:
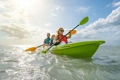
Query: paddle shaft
{"type": "Point", "coordinates": [63, 37]}
{"type": "Point", "coordinates": [39, 46]}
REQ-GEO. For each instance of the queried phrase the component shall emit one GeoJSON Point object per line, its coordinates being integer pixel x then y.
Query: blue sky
{"type": "Point", "coordinates": [28, 21]}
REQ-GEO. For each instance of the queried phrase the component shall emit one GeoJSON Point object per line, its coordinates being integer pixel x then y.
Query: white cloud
{"type": "Point", "coordinates": [103, 28]}
{"type": "Point", "coordinates": [2, 7]}
{"type": "Point", "coordinates": [59, 8]}
{"type": "Point", "coordinates": [16, 24]}
{"type": "Point", "coordinates": [14, 30]}
{"type": "Point", "coordinates": [116, 4]}
{"type": "Point", "coordinates": [82, 9]}
{"type": "Point", "coordinates": [56, 10]}
{"type": "Point", "coordinates": [53, 14]}
{"type": "Point", "coordinates": [117, 33]}
{"type": "Point", "coordinates": [47, 24]}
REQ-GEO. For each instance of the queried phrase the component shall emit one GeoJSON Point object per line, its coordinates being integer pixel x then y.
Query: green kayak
{"type": "Point", "coordinates": [84, 49]}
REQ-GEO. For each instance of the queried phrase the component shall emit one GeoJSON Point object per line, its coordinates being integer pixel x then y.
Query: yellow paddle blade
{"type": "Point", "coordinates": [31, 49]}
{"type": "Point", "coordinates": [73, 32]}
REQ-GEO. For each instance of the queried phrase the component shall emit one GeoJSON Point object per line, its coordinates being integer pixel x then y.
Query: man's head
{"type": "Point", "coordinates": [48, 34]}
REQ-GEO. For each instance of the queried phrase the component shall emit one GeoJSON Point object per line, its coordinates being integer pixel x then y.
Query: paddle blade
{"type": "Point", "coordinates": [84, 20]}
{"type": "Point", "coordinates": [31, 49]}
{"type": "Point", "coordinates": [73, 32]}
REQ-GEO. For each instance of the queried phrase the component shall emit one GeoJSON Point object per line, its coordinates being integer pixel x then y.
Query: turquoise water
{"type": "Point", "coordinates": [15, 64]}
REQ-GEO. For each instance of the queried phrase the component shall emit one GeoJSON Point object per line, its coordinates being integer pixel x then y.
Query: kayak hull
{"type": "Point", "coordinates": [84, 49]}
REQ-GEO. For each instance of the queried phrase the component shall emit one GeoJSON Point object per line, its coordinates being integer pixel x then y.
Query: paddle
{"type": "Point", "coordinates": [34, 48]}
{"type": "Point", "coordinates": [73, 32]}
{"type": "Point", "coordinates": [83, 21]}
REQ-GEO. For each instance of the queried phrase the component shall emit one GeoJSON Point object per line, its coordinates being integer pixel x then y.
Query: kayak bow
{"type": "Point", "coordinates": [85, 49]}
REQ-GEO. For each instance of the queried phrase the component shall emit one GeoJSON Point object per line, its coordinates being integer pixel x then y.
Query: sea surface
{"type": "Point", "coordinates": [15, 64]}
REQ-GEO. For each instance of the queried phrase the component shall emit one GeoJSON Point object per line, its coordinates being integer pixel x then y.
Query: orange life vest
{"type": "Point", "coordinates": [63, 39]}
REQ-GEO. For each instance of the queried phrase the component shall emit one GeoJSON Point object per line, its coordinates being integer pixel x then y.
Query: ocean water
{"type": "Point", "coordinates": [15, 64]}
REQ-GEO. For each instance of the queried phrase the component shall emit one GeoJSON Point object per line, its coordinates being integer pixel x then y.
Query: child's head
{"type": "Point", "coordinates": [53, 36]}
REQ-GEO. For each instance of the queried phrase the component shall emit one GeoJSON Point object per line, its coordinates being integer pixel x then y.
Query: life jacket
{"type": "Point", "coordinates": [47, 40]}
{"type": "Point", "coordinates": [63, 39]}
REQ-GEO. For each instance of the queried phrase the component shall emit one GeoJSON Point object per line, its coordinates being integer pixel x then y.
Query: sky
{"type": "Point", "coordinates": [26, 22]}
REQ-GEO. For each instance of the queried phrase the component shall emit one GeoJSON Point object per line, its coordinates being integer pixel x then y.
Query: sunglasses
{"type": "Point", "coordinates": [62, 30]}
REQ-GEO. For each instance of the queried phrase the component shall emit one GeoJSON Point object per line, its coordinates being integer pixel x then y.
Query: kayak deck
{"type": "Point", "coordinates": [85, 49]}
